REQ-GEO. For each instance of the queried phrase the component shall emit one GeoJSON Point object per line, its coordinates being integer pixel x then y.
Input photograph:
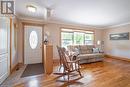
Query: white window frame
{"type": "Point", "coordinates": [69, 30]}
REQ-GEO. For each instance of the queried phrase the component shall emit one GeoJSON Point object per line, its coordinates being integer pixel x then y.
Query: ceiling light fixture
{"type": "Point", "coordinates": [31, 8]}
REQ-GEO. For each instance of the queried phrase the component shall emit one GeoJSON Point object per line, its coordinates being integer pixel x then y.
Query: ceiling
{"type": "Point", "coordinates": [98, 13]}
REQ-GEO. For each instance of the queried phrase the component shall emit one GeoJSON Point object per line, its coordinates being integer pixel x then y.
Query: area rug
{"type": "Point", "coordinates": [33, 69]}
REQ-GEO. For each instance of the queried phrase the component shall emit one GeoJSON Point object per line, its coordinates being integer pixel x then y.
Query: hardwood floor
{"type": "Point", "coordinates": [110, 73]}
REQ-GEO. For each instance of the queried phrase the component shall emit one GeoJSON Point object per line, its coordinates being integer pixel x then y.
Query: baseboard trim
{"type": "Point", "coordinates": [119, 58]}
{"type": "Point", "coordinates": [57, 61]}
{"type": "Point", "coordinates": [18, 65]}
{"type": "Point", "coordinates": [14, 68]}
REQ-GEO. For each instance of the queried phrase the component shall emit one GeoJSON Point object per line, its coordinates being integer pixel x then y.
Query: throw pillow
{"type": "Point", "coordinates": [101, 50]}
{"type": "Point", "coordinates": [76, 50]}
{"type": "Point", "coordinates": [95, 50]}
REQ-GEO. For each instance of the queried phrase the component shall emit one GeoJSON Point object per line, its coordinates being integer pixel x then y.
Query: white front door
{"type": "Point", "coordinates": [4, 48]}
{"type": "Point", "coordinates": [32, 44]}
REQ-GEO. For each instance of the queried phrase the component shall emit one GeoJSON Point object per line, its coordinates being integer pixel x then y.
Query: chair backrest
{"type": "Point", "coordinates": [64, 58]}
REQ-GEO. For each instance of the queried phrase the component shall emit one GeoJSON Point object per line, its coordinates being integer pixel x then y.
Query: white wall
{"type": "Point", "coordinates": [119, 48]}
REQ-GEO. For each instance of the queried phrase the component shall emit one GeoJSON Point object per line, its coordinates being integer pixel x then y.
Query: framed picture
{"type": "Point", "coordinates": [119, 36]}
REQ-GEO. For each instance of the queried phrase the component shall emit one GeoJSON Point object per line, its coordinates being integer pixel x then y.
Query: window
{"type": "Point", "coordinates": [67, 38]}
{"type": "Point", "coordinates": [76, 37]}
{"type": "Point", "coordinates": [33, 39]}
{"type": "Point", "coordinates": [89, 39]}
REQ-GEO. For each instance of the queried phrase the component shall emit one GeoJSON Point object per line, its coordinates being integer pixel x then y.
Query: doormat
{"type": "Point", "coordinates": [33, 69]}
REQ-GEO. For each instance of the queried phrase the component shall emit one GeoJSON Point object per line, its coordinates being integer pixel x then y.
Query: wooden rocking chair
{"type": "Point", "coordinates": [69, 65]}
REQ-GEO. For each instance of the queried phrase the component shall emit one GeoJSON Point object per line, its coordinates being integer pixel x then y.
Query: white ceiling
{"type": "Point", "coordinates": [99, 13]}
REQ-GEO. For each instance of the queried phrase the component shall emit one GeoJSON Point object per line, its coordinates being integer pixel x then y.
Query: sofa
{"type": "Point", "coordinates": [86, 53]}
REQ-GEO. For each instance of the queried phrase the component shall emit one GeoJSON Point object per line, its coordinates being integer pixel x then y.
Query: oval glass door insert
{"type": "Point", "coordinates": [33, 39]}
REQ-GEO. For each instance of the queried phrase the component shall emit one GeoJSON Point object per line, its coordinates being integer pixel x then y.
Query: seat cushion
{"type": "Point", "coordinates": [89, 56]}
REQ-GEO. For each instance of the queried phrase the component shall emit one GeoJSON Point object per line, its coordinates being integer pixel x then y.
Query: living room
{"type": "Point", "coordinates": [39, 37]}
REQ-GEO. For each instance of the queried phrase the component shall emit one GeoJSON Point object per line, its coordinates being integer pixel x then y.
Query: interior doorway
{"type": "Point", "coordinates": [32, 44]}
